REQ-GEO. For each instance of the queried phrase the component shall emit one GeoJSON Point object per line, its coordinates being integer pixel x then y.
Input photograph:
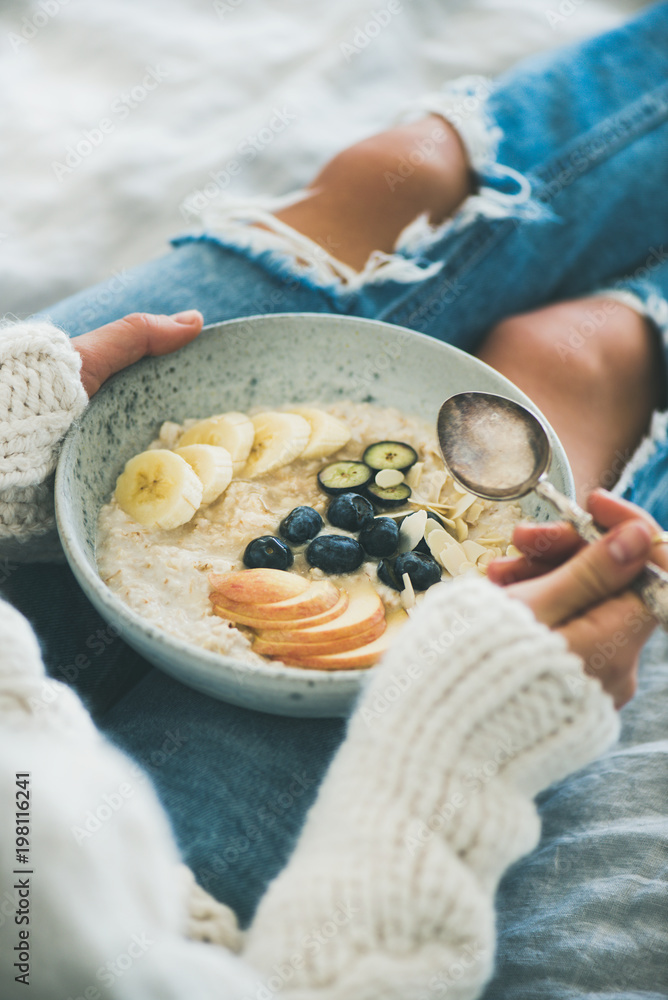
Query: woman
{"type": "Point", "coordinates": [478, 706]}
{"type": "Point", "coordinates": [502, 254]}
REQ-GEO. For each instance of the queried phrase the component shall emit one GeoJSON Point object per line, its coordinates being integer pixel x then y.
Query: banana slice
{"type": "Point", "coordinates": [279, 439]}
{"type": "Point", "coordinates": [328, 433]}
{"type": "Point", "coordinates": [232, 431]}
{"type": "Point", "coordinates": [159, 489]}
{"type": "Point", "coordinates": [211, 464]}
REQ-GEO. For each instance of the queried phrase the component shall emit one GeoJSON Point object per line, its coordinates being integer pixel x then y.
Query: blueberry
{"type": "Point", "coordinates": [300, 525]}
{"type": "Point", "coordinates": [335, 554]}
{"type": "Point", "coordinates": [422, 569]}
{"type": "Point", "coordinates": [387, 574]}
{"type": "Point", "coordinates": [380, 538]}
{"type": "Point", "coordinates": [268, 552]}
{"type": "Point", "coordinates": [350, 511]}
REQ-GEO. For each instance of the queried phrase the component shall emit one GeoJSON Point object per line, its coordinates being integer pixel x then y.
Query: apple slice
{"type": "Point", "coordinates": [363, 611]}
{"type": "Point", "coordinates": [294, 647]}
{"type": "Point", "coordinates": [320, 596]}
{"type": "Point", "coordinates": [351, 659]}
{"type": "Point", "coordinates": [258, 586]}
{"type": "Point", "coordinates": [249, 619]}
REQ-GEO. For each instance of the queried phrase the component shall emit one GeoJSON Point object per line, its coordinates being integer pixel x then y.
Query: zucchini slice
{"type": "Point", "coordinates": [344, 477]}
{"type": "Point", "coordinates": [388, 496]}
{"type": "Point", "coordinates": [390, 455]}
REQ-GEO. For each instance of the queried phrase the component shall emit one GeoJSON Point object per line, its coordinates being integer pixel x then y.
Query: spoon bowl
{"type": "Point", "coordinates": [492, 445]}
{"type": "Point", "coordinates": [498, 450]}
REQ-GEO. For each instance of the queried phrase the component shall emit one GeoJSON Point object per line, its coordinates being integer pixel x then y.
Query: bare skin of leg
{"type": "Point", "coordinates": [360, 201]}
{"type": "Point", "coordinates": [598, 390]}
{"type": "Point", "coordinates": [598, 395]}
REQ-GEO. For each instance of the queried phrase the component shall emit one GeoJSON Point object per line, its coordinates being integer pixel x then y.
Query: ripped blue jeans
{"type": "Point", "coordinates": [570, 151]}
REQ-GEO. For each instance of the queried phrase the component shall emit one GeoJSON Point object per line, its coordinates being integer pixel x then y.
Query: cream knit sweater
{"type": "Point", "coordinates": [390, 890]}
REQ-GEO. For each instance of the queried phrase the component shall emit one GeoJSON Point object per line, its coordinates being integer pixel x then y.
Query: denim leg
{"type": "Point", "coordinates": [588, 127]}
{"type": "Point", "coordinates": [236, 784]}
{"type": "Point", "coordinates": [221, 283]}
{"type": "Point", "coordinates": [645, 479]}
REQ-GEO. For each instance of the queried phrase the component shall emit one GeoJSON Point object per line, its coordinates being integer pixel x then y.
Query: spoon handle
{"type": "Point", "coordinates": [651, 584]}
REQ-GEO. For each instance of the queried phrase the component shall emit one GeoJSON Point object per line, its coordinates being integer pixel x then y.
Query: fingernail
{"type": "Point", "coordinates": [188, 317]}
{"type": "Point", "coordinates": [629, 542]}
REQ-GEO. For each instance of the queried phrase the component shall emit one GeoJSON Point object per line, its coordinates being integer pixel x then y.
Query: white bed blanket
{"type": "Point", "coordinates": [114, 112]}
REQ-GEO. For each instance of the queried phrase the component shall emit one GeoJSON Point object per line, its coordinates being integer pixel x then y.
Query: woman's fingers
{"type": "Point", "coordinates": [609, 639]}
{"type": "Point", "coordinates": [543, 547]}
{"type": "Point", "coordinates": [596, 573]}
{"type": "Point", "coordinates": [549, 541]}
{"type": "Point", "coordinates": [111, 348]}
{"type": "Point", "coordinates": [513, 569]}
{"type": "Point", "coordinates": [608, 510]}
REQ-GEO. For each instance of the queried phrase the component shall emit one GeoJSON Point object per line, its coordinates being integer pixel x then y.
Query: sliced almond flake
{"type": "Point", "coordinates": [407, 594]}
{"type": "Point", "coordinates": [437, 540]}
{"type": "Point", "coordinates": [512, 550]}
{"type": "Point", "coordinates": [474, 512]}
{"type": "Point", "coordinates": [389, 477]}
{"type": "Point", "coordinates": [465, 567]}
{"type": "Point", "coordinates": [412, 531]}
{"type": "Point", "coordinates": [446, 520]}
{"type": "Point", "coordinates": [463, 505]}
{"type": "Point", "coordinates": [473, 550]}
{"type": "Point", "coordinates": [414, 475]}
{"type": "Point", "coordinates": [462, 529]}
{"type": "Point", "coordinates": [491, 540]}
{"type": "Point", "coordinates": [452, 557]}
{"type": "Point", "coordinates": [457, 488]}
{"type": "Point", "coordinates": [485, 559]}
{"type": "Point", "coordinates": [442, 507]}
{"type": "Point", "coordinates": [404, 512]}
{"type": "Point", "coordinates": [430, 526]}
{"type": "Point", "coordinates": [438, 482]}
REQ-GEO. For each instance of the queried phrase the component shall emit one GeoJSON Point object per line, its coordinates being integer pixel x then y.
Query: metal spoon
{"type": "Point", "coordinates": [498, 450]}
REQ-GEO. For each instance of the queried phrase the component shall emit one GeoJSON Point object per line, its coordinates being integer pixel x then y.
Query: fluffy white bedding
{"type": "Point", "coordinates": [274, 85]}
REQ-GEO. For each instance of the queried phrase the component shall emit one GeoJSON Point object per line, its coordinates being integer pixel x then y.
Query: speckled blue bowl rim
{"type": "Point", "coordinates": [204, 665]}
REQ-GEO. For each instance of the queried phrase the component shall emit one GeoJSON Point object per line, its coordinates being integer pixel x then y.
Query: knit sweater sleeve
{"type": "Point", "coordinates": [390, 890]}
{"type": "Point", "coordinates": [40, 395]}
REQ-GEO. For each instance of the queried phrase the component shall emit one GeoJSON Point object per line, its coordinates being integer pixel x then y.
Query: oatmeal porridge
{"type": "Point", "coordinates": [306, 539]}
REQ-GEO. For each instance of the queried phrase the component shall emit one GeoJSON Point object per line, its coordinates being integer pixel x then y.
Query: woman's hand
{"type": "Point", "coordinates": [581, 590]}
{"type": "Point", "coordinates": [110, 348]}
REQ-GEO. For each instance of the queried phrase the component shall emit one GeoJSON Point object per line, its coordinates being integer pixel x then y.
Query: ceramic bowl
{"type": "Point", "coordinates": [267, 361]}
